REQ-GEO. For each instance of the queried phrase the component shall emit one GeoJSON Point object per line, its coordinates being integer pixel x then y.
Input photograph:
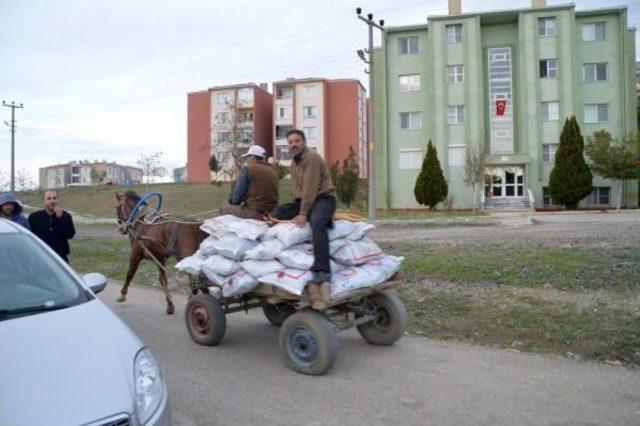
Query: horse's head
{"type": "Point", "coordinates": [125, 202]}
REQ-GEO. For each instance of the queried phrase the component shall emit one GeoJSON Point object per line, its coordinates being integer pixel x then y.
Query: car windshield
{"type": "Point", "coordinates": [33, 280]}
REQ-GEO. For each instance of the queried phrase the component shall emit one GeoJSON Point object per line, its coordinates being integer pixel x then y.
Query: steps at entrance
{"type": "Point", "coordinates": [513, 204]}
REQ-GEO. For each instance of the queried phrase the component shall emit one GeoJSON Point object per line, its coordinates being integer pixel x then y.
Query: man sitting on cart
{"type": "Point", "coordinates": [256, 188]}
{"type": "Point", "coordinates": [315, 203]}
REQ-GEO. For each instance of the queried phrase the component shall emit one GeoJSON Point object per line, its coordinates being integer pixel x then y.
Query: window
{"type": "Point", "coordinates": [455, 114]}
{"type": "Point", "coordinates": [455, 74]}
{"type": "Point", "coordinates": [593, 31]}
{"type": "Point", "coordinates": [592, 73]}
{"type": "Point", "coordinates": [547, 27]}
{"type": "Point", "coordinates": [223, 136]}
{"type": "Point", "coordinates": [246, 135]}
{"type": "Point", "coordinates": [284, 93]}
{"type": "Point", "coordinates": [285, 112]}
{"type": "Point", "coordinates": [309, 91]}
{"type": "Point", "coordinates": [222, 98]}
{"type": "Point", "coordinates": [410, 120]}
{"type": "Point", "coordinates": [245, 117]}
{"type": "Point", "coordinates": [546, 197]}
{"type": "Point", "coordinates": [596, 113]}
{"type": "Point", "coordinates": [281, 131]}
{"type": "Point", "coordinates": [409, 83]}
{"type": "Point", "coordinates": [75, 170]}
{"type": "Point", "coordinates": [310, 132]}
{"type": "Point", "coordinates": [410, 159]}
{"type": "Point", "coordinates": [548, 68]}
{"type": "Point", "coordinates": [550, 111]}
{"type": "Point", "coordinates": [75, 179]}
{"type": "Point", "coordinates": [282, 152]}
{"type": "Point", "coordinates": [309, 111]}
{"type": "Point", "coordinates": [456, 155]}
{"type": "Point", "coordinates": [222, 117]}
{"type": "Point", "coordinates": [600, 196]}
{"type": "Point", "coordinates": [408, 45]}
{"type": "Point", "coordinates": [549, 153]}
{"type": "Point", "coordinates": [453, 33]}
{"type": "Point", "coordinates": [245, 95]}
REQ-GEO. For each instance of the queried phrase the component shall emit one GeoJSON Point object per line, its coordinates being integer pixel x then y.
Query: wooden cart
{"type": "Point", "coordinates": [307, 339]}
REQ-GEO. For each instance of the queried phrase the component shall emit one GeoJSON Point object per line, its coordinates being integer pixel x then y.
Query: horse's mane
{"type": "Point", "coordinates": [130, 194]}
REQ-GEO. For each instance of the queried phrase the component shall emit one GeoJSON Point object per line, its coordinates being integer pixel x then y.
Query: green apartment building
{"type": "Point", "coordinates": [506, 79]}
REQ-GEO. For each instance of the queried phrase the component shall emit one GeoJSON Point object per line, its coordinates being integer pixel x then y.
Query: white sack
{"type": "Point", "coordinates": [266, 250]}
{"type": "Point", "coordinates": [259, 268]}
{"type": "Point", "coordinates": [357, 252]}
{"type": "Point", "coordinates": [218, 225]}
{"type": "Point", "coordinates": [289, 233]}
{"type": "Point", "coordinates": [297, 257]}
{"type": "Point", "coordinates": [367, 275]}
{"type": "Point", "coordinates": [220, 265]}
{"type": "Point", "coordinates": [214, 277]}
{"type": "Point", "coordinates": [349, 230]}
{"type": "Point", "coordinates": [206, 247]}
{"type": "Point", "coordinates": [291, 280]}
{"type": "Point", "coordinates": [232, 246]}
{"type": "Point", "coordinates": [237, 284]}
{"type": "Point", "coordinates": [191, 265]}
{"type": "Point", "coordinates": [250, 229]}
{"type": "Point", "coordinates": [360, 230]}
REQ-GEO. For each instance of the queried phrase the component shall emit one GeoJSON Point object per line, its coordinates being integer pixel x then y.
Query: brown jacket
{"type": "Point", "coordinates": [262, 194]}
{"type": "Point", "coordinates": [310, 177]}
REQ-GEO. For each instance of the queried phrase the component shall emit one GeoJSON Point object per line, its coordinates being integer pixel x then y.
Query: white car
{"type": "Point", "coordinates": [65, 357]}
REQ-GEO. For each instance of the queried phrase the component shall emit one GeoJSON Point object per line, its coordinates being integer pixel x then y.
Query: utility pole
{"type": "Point", "coordinates": [371, 159]}
{"type": "Point", "coordinates": [13, 107]}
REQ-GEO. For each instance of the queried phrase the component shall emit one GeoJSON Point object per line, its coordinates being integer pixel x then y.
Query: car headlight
{"type": "Point", "coordinates": [148, 385]}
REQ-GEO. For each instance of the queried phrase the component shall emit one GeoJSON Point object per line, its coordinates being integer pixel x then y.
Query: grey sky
{"type": "Point", "coordinates": [107, 79]}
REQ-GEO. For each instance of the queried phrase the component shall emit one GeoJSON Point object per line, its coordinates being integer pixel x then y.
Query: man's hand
{"type": "Point", "coordinates": [58, 211]}
{"type": "Point", "coordinates": [300, 220]}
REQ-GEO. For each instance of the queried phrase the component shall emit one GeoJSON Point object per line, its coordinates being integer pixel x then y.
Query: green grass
{"type": "Point", "coordinates": [615, 268]}
{"type": "Point", "coordinates": [194, 198]}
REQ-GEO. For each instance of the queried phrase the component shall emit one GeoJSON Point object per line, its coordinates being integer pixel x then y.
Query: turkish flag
{"type": "Point", "coordinates": [501, 105]}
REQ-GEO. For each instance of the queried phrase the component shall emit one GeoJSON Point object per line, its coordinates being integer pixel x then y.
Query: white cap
{"type": "Point", "coordinates": [256, 150]}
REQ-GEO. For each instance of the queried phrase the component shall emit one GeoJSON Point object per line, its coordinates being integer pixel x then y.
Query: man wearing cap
{"type": "Point", "coordinates": [256, 189]}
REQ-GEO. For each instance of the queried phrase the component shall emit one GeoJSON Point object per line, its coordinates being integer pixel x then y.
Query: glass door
{"type": "Point", "coordinates": [504, 182]}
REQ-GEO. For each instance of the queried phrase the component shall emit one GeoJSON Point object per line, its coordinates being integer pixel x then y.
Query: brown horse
{"type": "Point", "coordinates": [156, 236]}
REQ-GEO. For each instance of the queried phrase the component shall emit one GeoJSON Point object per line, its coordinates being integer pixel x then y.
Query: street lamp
{"type": "Point", "coordinates": [371, 132]}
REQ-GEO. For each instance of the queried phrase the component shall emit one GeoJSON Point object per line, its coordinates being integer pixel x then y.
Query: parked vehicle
{"type": "Point", "coordinates": [65, 357]}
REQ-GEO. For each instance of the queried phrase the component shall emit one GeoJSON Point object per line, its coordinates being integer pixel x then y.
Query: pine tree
{"type": "Point", "coordinates": [570, 179]}
{"type": "Point", "coordinates": [347, 184]}
{"type": "Point", "coordinates": [431, 187]}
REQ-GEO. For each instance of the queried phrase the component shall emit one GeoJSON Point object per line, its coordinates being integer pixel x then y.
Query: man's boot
{"type": "Point", "coordinates": [313, 293]}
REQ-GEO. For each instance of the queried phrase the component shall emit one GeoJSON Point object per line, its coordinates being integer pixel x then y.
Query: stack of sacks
{"type": "Point", "coordinates": [240, 253]}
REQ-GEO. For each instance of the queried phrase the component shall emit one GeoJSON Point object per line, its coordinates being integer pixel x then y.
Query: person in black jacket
{"type": "Point", "coordinates": [53, 225]}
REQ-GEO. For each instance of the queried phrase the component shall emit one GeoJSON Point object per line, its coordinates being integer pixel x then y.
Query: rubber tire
{"type": "Point", "coordinates": [395, 312]}
{"type": "Point", "coordinates": [277, 314]}
{"type": "Point", "coordinates": [325, 338]}
{"type": "Point", "coordinates": [217, 320]}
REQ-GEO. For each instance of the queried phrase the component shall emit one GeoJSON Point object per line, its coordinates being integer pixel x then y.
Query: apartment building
{"type": "Point", "coordinates": [506, 79]}
{"type": "Point", "coordinates": [332, 114]}
{"type": "Point", "coordinates": [87, 173]}
{"type": "Point", "coordinates": [224, 119]}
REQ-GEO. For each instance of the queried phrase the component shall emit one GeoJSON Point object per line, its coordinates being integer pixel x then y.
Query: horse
{"type": "Point", "coordinates": [155, 237]}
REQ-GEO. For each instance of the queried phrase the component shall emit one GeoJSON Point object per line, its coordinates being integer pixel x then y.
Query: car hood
{"type": "Point", "coordinates": [71, 366]}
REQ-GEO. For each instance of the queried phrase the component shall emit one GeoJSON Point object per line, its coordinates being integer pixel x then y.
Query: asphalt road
{"type": "Point", "coordinates": [416, 382]}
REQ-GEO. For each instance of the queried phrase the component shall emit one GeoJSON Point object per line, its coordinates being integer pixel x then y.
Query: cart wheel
{"type": "Point", "coordinates": [276, 314]}
{"type": "Point", "coordinates": [308, 343]}
{"type": "Point", "coordinates": [205, 320]}
{"type": "Point", "coordinates": [390, 325]}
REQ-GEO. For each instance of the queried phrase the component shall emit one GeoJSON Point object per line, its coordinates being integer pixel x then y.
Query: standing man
{"type": "Point", "coordinates": [315, 203]}
{"type": "Point", "coordinates": [256, 189]}
{"type": "Point", "coordinates": [11, 209]}
{"type": "Point", "coordinates": [53, 225]}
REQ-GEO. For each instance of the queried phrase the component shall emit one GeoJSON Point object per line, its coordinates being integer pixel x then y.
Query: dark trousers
{"type": "Point", "coordinates": [320, 219]}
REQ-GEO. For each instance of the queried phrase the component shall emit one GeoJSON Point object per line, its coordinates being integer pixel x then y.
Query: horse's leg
{"type": "Point", "coordinates": [134, 262]}
{"type": "Point", "coordinates": [165, 287]}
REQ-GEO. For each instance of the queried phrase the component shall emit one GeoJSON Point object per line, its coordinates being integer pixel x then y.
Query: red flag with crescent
{"type": "Point", "coordinates": [501, 105]}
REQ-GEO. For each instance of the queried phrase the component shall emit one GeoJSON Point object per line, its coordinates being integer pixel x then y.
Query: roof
{"type": "Point", "coordinates": [314, 79]}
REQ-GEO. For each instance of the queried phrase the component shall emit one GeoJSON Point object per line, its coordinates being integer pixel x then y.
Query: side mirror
{"type": "Point", "coordinates": [96, 282]}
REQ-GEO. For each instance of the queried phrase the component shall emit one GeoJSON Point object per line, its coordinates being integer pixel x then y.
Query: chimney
{"type": "Point", "coordinates": [455, 7]}
{"type": "Point", "coordinates": [264, 86]}
{"type": "Point", "coordinates": [537, 4]}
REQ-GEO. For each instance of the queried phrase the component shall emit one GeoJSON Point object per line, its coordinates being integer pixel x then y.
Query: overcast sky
{"type": "Point", "coordinates": [107, 79]}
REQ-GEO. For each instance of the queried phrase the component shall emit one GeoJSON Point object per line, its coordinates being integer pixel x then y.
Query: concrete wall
{"type": "Point", "coordinates": [198, 137]}
{"type": "Point", "coordinates": [343, 120]}
{"type": "Point", "coordinates": [263, 119]}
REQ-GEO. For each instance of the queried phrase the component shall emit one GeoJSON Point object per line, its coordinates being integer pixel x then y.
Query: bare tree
{"type": "Point", "coordinates": [4, 184]}
{"type": "Point", "coordinates": [24, 181]}
{"type": "Point", "coordinates": [234, 138]}
{"type": "Point", "coordinates": [150, 165]}
{"type": "Point", "coordinates": [475, 162]}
